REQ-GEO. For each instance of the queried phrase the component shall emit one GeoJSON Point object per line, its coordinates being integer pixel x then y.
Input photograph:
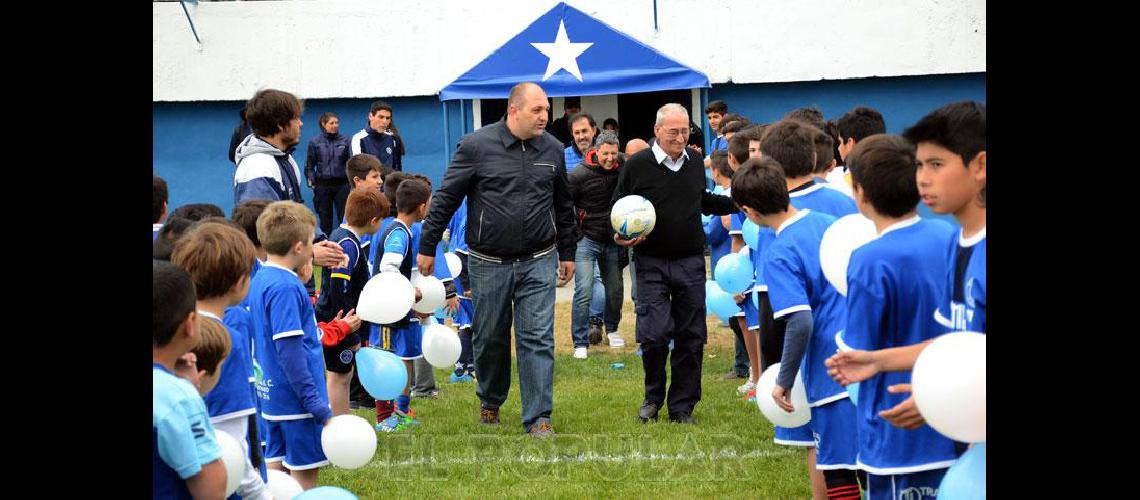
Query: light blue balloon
{"type": "Point", "coordinates": [966, 479]}
{"type": "Point", "coordinates": [719, 302]}
{"type": "Point", "coordinates": [751, 233]}
{"type": "Point", "coordinates": [382, 373]}
{"type": "Point", "coordinates": [853, 393]}
{"type": "Point", "coordinates": [326, 493]}
{"type": "Point", "coordinates": [734, 273]}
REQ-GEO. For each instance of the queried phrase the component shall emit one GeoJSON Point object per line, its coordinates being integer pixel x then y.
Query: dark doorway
{"type": "Point", "coordinates": [493, 110]}
{"type": "Point", "coordinates": [638, 111]}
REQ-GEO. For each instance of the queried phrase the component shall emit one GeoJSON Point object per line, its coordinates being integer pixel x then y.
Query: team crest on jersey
{"type": "Point", "coordinates": [346, 356]}
{"type": "Point", "coordinates": [388, 149]}
{"type": "Point", "coordinates": [970, 293]}
{"type": "Point", "coordinates": [918, 493]}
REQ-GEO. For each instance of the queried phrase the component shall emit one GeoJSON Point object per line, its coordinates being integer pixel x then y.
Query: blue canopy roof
{"type": "Point", "coordinates": [569, 53]}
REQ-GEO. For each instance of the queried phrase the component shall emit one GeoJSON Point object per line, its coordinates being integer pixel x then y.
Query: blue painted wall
{"type": "Point", "coordinates": [190, 140]}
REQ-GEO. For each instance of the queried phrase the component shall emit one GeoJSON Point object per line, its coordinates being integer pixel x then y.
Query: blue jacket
{"type": "Point", "coordinates": [326, 157]}
{"type": "Point", "coordinates": [380, 145]}
{"type": "Point", "coordinates": [265, 172]}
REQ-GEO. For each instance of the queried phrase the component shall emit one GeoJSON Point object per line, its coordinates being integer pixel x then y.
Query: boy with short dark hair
{"type": "Point", "coordinates": [168, 236]}
{"type": "Point", "coordinates": [857, 124]}
{"type": "Point", "coordinates": [814, 312]}
{"type": "Point", "coordinates": [364, 211]}
{"type": "Point", "coordinates": [186, 457]}
{"type": "Point", "coordinates": [158, 204]}
{"type": "Point", "coordinates": [195, 212]}
{"type": "Point", "coordinates": [287, 345]}
{"type": "Point", "coordinates": [715, 112]}
{"type": "Point", "coordinates": [364, 171]}
{"type": "Point", "coordinates": [792, 144]}
{"type": "Point", "coordinates": [403, 337]}
{"type": "Point", "coordinates": [893, 282]}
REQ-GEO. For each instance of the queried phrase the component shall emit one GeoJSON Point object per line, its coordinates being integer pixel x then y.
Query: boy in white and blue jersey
{"type": "Point", "coordinates": [814, 312]}
{"type": "Point", "coordinates": [892, 282]}
{"type": "Point", "coordinates": [457, 229]}
{"type": "Point", "coordinates": [186, 457]}
{"type": "Point", "coordinates": [287, 345]}
{"type": "Point", "coordinates": [219, 258]}
{"type": "Point", "coordinates": [951, 176]}
{"type": "Point", "coordinates": [404, 337]}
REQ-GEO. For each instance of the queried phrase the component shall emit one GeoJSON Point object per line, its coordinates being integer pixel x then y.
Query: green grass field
{"type": "Point", "coordinates": [601, 449]}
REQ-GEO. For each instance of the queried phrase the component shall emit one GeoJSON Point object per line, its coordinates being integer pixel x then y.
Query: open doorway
{"type": "Point", "coordinates": [638, 111]}
{"type": "Point", "coordinates": [493, 110]}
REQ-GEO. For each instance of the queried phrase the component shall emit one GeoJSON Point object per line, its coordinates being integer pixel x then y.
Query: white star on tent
{"type": "Point", "coordinates": [562, 53]}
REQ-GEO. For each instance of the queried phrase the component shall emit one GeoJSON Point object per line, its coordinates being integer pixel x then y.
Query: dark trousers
{"type": "Point", "coordinates": [327, 197]}
{"type": "Point", "coordinates": [741, 364]}
{"type": "Point", "coordinates": [671, 306]}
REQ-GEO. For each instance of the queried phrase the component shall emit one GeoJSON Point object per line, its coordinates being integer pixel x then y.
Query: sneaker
{"type": "Point", "coordinates": [461, 378]}
{"type": "Point", "coordinates": [747, 386]}
{"type": "Point", "coordinates": [595, 331]}
{"type": "Point", "coordinates": [580, 352]}
{"type": "Point", "coordinates": [489, 416]}
{"type": "Point", "coordinates": [394, 423]}
{"type": "Point", "coordinates": [541, 430]}
{"type": "Point", "coordinates": [409, 418]}
{"type": "Point", "coordinates": [615, 340]}
{"type": "Point", "coordinates": [430, 394]}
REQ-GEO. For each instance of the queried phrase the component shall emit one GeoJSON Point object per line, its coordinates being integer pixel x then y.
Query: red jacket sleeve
{"type": "Point", "coordinates": [335, 332]}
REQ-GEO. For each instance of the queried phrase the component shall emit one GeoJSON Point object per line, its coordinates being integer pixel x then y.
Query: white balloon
{"type": "Point", "coordinates": [768, 406]}
{"type": "Point", "coordinates": [441, 346]}
{"type": "Point", "coordinates": [386, 298]}
{"type": "Point", "coordinates": [282, 486]}
{"type": "Point", "coordinates": [633, 216]}
{"type": "Point", "coordinates": [949, 384]}
{"type": "Point", "coordinates": [348, 441]}
{"type": "Point", "coordinates": [433, 293]}
{"type": "Point", "coordinates": [839, 240]}
{"type": "Point", "coordinates": [233, 457]}
{"type": "Point", "coordinates": [453, 264]}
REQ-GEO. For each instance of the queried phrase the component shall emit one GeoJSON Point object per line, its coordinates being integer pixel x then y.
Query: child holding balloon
{"type": "Point", "coordinates": [893, 282]}
{"type": "Point", "coordinates": [287, 345]}
{"type": "Point", "coordinates": [814, 311]}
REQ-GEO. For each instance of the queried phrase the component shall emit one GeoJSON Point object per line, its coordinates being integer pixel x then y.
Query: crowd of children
{"type": "Point", "coordinates": [241, 346]}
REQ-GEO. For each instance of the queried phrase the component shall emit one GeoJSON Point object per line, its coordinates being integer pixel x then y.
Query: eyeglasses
{"type": "Point", "coordinates": [674, 132]}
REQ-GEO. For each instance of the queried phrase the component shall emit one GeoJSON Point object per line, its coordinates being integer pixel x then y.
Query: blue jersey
{"type": "Point", "coordinates": [796, 283]}
{"type": "Point", "coordinates": [963, 305]}
{"type": "Point", "coordinates": [342, 290]}
{"type": "Point", "coordinates": [458, 229]}
{"type": "Point", "coordinates": [820, 199]}
{"type": "Point", "coordinates": [231, 397]}
{"type": "Point", "coordinates": [893, 282]}
{"type": "Point", "coordinates": [720, 242]}
{"type": "Point", "coordinates": [280, 308]}
{"type": "Point", "coordinates": [182, 437]}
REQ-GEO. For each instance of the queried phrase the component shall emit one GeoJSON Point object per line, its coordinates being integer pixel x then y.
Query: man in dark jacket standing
{"type": "Point", "coordinates": [520, 234]}
{"type": "Point", "coordinates": [324, 171]}
{"type": "Point", "coordinates": [376, 139]}
{"type": "Point", "coordinates": [670, 270]}
{"type": "Point", "coordinates": [592, 185]}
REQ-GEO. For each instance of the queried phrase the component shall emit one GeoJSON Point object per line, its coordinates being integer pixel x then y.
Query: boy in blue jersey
{"type": "Point", "coordinates": [893, 282]}
{"type": "Point", "coordinates": [792, 144]}
{"type": "Point", "coordinates": [186, 458]}
{"type": "Point", "coordinates": [364, 209]}
{"type": "Point", "coordinates": [287, 345]}
{"type": "Point", "coordinates": [457, 243]}
{"type": "Point", "coordinates": [814, 312]}
{"type": "Point", "coordinates": [951, 176]}
{"type": "Point", "coordinates": [746, 320]}
{"type": "Point", "coordinates": [219, 258]}
{"type": "Point", "coordinates": [402, 337]}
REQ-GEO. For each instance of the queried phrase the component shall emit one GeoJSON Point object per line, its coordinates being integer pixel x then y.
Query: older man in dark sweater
{"type": "Point", "coordinates": [670, 271]}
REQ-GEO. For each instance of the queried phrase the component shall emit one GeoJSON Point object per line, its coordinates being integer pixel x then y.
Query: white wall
{"type": "Point", "coordinates": [363, 48]}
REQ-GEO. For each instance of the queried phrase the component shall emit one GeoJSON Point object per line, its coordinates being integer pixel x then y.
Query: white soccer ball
{"type": "Point", "coordinates": [386, 298]}
{"type": "Point", "coordinates": [768, 406]}
{"type": "Point", "coordinates": [433, 293]}
{"type": "Point", "coordinates": [282, 486]}
{"type": "Point", "coordinates": [949, 384]}
{"type": "Point", "coordinates": [233, 457]}
{"type": "Point", "coordinates": [840, 239]}
{"type": "Point", "coordinates": [441, 346]}
{"type": "Point", "coordinates": [633, 216]}
{"type": "Point", "coordinates": [348, 441]}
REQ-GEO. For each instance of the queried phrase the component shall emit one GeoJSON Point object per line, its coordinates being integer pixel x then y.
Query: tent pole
{"type": "Point", "coordinates": [446, 133]}
{"type": "Point", "coordinates": [710, 135]}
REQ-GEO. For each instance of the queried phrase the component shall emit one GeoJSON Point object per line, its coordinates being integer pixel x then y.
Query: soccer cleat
{"type": "Point", "coordinates": [745, 387]}
{"type": "Point", "coordinates": [391, 424]}
{"type": "Point", "coordinates": [580, 352]}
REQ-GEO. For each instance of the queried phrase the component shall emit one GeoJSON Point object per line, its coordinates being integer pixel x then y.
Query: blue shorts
{"type": "Point", "coordinates": [833, 427]}
{"type": "Point", "coordinates": [795, 436]}
{"type": "Point", "coordinates": [751, 314]}
{"type": "Point", "coordinates": [466, 313]}
{"type": "Point", "coordinates": [297, 442]}
{"type": "Point", "coordinates": [407, 343]}
{"type": "Point", "coordinates": [913, 486]}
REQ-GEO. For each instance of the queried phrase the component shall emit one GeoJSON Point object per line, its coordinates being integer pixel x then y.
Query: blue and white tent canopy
{"type": "Point", "coordinates": [569, 53]}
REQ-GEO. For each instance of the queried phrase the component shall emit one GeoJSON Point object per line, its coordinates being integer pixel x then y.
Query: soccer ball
{"type": "Point", "coordinates": [633, 216]}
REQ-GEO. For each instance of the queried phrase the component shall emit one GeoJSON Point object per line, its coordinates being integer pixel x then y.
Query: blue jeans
{"type": "Point", "coordinates": [524, 291]}
{"type": "Point", "coordinates": [606, 257]}
{"type": "Point", "coordinates": [598, 299]}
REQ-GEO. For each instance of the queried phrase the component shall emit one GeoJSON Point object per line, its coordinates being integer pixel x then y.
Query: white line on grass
{"type": "Point", "coordinates": [584, 457]}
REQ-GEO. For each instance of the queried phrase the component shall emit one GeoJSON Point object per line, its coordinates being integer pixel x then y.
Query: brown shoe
{"type": "Point", "coordinates": [541, 429]}
{"type": "Point", "coordinates": [489, 416]}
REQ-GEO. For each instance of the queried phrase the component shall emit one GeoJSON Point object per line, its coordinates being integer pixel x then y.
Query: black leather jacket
{"type": "Point", "coordinates": [592, 189]}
